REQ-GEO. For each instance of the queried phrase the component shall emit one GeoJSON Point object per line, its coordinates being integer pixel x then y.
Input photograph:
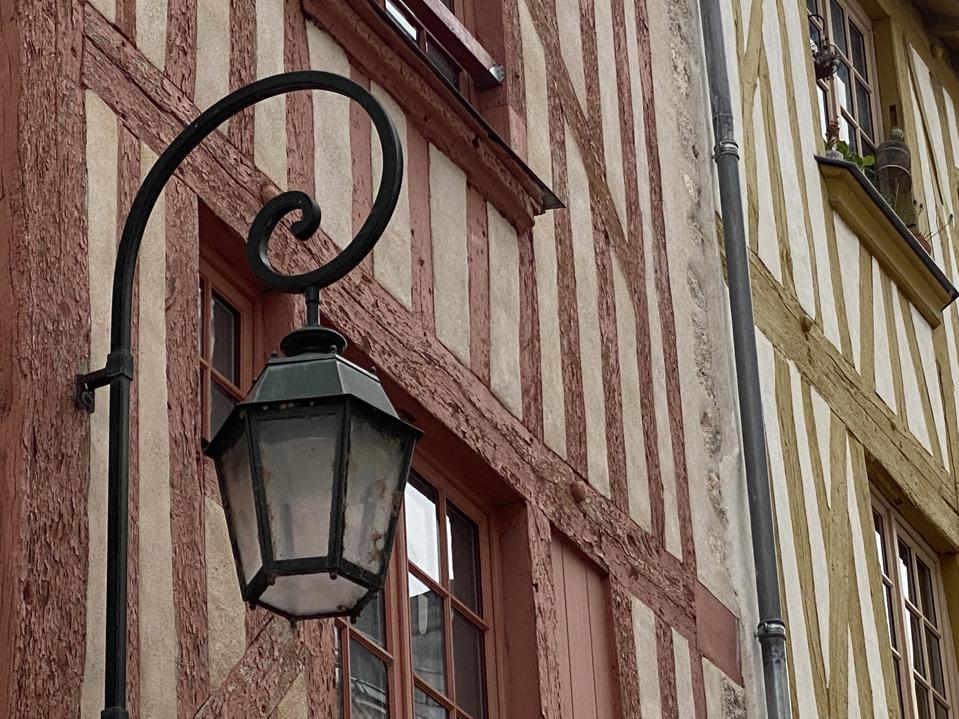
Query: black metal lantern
{"type": "Point", "coordinates": [313, 464]}
{"type": "Point", "coordinates": [312, 468]}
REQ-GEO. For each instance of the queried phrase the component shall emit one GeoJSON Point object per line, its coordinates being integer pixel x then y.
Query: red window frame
{"type": "Point", "coordinates": [396, 652]}
{"type": "Point", "coordinates": [216, 279]}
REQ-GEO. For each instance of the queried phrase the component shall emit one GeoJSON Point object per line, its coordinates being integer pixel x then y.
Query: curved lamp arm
{"type": "Point", "coordinates": [119, 370]}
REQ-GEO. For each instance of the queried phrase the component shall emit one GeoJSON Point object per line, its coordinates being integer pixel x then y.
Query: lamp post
{"type": "Point", "coordinates": [313, 463]}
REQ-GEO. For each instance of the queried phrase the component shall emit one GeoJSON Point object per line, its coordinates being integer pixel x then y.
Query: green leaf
{"type": "Point", "coordinates": [868, 161]}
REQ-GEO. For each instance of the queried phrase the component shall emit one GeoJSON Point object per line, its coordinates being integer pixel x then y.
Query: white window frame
{"type": "Point", "coordinates": [895, 528]}
{"type": "Point", "coordinates": [850, 123]}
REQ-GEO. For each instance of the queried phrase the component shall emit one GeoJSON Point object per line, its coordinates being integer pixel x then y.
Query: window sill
{"type": "Point", "coordinates": [887, 238]}
{"type": "Point", "coordinates": [437, 110]}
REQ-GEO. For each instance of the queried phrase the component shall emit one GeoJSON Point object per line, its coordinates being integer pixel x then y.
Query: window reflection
{"type": "Point", "coordinates": [369, 690]}
{"type": "Point", "coordinates": [426, 635]}
{"type": "Point", "coordinates": [463, 558]}
{"type": "Point", "coordinates": [422, 532]}
{"type": "Point", "coordinates": [425, 707]}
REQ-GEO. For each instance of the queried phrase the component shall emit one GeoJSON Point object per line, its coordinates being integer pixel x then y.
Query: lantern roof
{"type": "Point", "coordinates": [317, 374]}
{"type": "Point", "coordinates": [311, 376]}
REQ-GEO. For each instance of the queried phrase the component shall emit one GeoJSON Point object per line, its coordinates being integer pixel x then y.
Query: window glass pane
{"type": "Point", "coordinates": [226, 333]}
{"type": "Point", "coordinates": [843, 88]}
{"type": "Point", "coordinates": [880, 543]}
{"type": "Point", "coordinates": [838, 27]}
{"type": "Point", "coordinates": [402, 21]}
{"type": "Point", "coordinates": [426, 635]}
{"type": "Point", "coordinates": [468, 669]}
{"type": "Point", "coordinates": [369, 690]}
{"type": "Point", "coordinates": [464, 559]}
{"type": "Point", "coordinates": [815, 35]}
{"type": "Point", "coordinates": [371, 621]}
{"type": "Point", "coordinates": [823, 110]}
{"type": "Point", "coordinates": [925, 590]}
{"type": "Point", "coordinates": [864, 108]}
{"type": "Point", "coordinates": [443, 63]}
{"type": "Point", "coordinates": [902, 706]}
{"type": "Point", "coordinates": [221, 402]}
{"type": "Point", "coordinates": [914, 627]}
{"type": "Point", "coordinates": [812, 6]}
{"type": "Point", "coordinates": [847, 134]}
{"type": "Point", "coordinates": [941, 711]}
{"type": "Point", "coordinates": [425, 707]}
{"type": "Point", "coordinates": [905, 572]}
{"type": "Point", "coordinates": [422, 531]}
{"type": "Point", "coordinates": [858, 43]}
{"type": "Point", "coordinates": [202, 320]}
{"type": "Point", "coordinates": [922, 701]}
{"type": "Point", "coordinates": [935, 662]}
{"type": "Point", "coordinates": [890, 619]}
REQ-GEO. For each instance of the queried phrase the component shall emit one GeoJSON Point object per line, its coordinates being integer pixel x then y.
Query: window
{"type": "Point", "coordinates": [442, 31]}
{"type": "Point", "coordinates": [225, 345]}
{"type": "Point", "coordinates": [916, 616]}
{"type": "Point", "coordinates": [363, 648]}
{"type": "Point", "coordinates": [849, 96]}
{"type": "Point", "coordinates": [431, 651]}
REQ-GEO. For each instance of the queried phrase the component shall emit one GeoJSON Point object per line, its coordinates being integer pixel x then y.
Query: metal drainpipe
{"type": "Point", "coordinates": [771, 631]}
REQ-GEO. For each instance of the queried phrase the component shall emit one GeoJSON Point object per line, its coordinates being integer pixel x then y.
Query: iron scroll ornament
{"type": "Point", "coordinates": [119, 369]}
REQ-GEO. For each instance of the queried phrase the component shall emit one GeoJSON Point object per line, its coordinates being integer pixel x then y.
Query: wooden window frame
{"type": "Point", "coordinates": [833, 110]}
{"type": "Point", "coordinates": [895, 528]}
{"type": "Point", "coordinates": [397, 653]}
{"type": "Point", "coordinates": [215, 278]}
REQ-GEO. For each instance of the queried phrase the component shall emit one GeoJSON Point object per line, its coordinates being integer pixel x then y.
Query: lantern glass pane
{"type": "Point", "coordinates": [308, 595]}
{"type": "Point", "coordinates": [298, 466]}
{"type": "Point", "coordinates": [238, 489]}
{"type": "Point", "coordinates": [378, 454]}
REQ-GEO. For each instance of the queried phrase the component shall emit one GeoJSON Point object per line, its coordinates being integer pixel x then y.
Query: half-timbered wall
{"type": "Point", "coordinates": [580, 354]}
{"type": "Point", "coordinates": [857, 371]}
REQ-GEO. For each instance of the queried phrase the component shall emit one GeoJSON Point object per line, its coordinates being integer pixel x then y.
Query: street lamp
{"type": "Point", "coordinates": [313, 463]}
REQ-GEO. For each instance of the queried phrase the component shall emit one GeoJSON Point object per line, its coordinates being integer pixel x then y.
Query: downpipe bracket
{"type": "Point", "coordinates": [726, 148]}
{"type": "Point", "coordinates": [119, 364]}
{"type": "Point", "coordinates": [771, 629]}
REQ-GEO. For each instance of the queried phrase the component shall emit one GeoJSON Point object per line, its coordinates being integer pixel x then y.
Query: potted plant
{"type": "Point", "coordinates": [839, 150]}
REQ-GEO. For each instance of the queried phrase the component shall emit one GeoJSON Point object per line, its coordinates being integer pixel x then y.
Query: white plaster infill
{"type": "Point", "coordinates": [887, 238]}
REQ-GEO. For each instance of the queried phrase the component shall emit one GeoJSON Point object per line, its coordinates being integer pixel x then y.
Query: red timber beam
{"type": "Point", "coordinates": [44, 440]}
{"type": "Point", "coordinates": [258, 682]}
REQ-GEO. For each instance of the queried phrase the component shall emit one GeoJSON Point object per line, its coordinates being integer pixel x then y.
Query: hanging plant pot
{"type": "Point", "coordinates": [825, 56]}
{"type": "Point", "coordinates": [825, 60]}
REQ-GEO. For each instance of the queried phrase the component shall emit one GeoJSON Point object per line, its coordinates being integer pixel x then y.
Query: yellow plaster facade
{"type": "Point", "coordinates": [858, 354]}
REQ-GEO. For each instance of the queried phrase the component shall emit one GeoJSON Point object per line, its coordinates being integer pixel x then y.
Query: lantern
{"type": "Point", "coordinates": [312, 467]}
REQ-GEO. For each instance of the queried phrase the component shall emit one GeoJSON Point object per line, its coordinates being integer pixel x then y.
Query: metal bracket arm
{"type": "Point", "coordinates": [119, 364]}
